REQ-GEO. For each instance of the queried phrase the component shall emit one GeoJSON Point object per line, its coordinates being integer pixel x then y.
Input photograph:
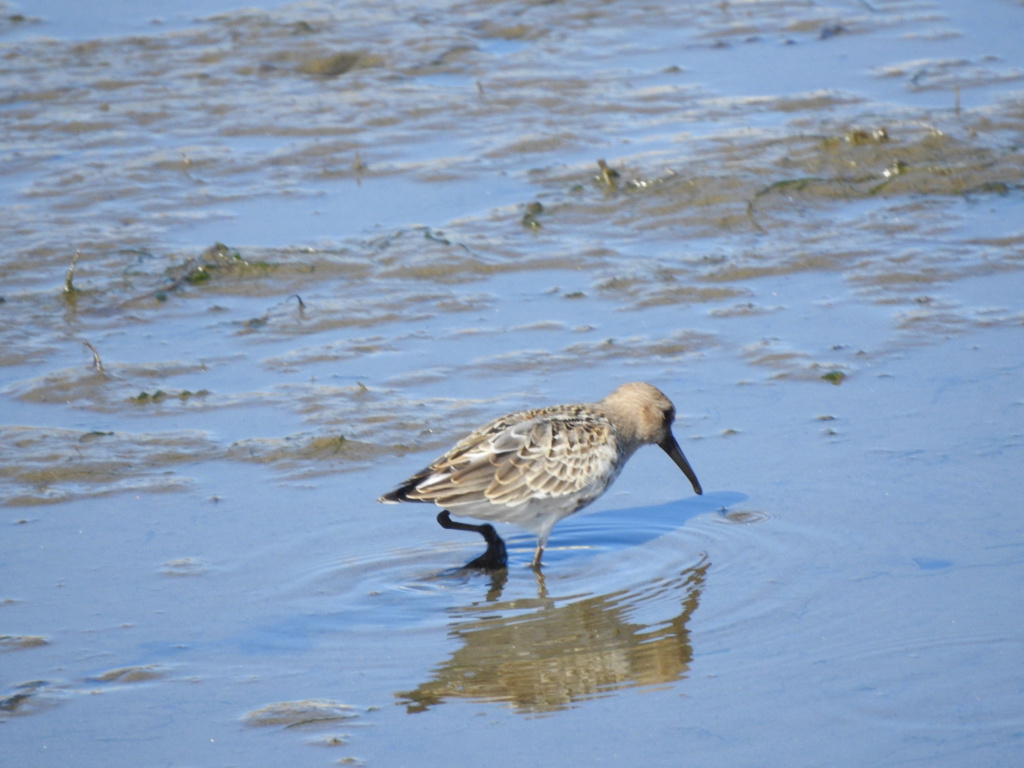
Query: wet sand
{"type": "Point", "coordinates": [260, 265]}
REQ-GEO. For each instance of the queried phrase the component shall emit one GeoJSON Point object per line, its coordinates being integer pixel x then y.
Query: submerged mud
{"type": "Point", "coordinates": [260, 266]}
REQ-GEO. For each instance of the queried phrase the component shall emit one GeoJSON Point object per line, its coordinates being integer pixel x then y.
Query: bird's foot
{"type": "Point", "coordinates": [495, 558]}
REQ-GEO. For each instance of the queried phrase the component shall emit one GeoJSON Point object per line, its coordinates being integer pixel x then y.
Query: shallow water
{"type": "Point", "coordinates": [260, 265]}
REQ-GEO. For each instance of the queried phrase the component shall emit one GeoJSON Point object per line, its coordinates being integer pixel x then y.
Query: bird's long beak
{"type": "Point", "coordinates": [671, 447]}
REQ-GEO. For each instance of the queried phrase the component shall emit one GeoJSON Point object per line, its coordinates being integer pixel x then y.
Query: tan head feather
{"type": "Point", "coordinates": [641, 413]}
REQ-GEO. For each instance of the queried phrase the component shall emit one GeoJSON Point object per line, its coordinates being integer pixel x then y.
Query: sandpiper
{"type": "Point", "coordinates": [532, 468]}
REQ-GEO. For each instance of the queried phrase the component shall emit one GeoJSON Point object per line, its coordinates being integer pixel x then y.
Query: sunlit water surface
{"type": "Point", "coordinates": [260, 265]}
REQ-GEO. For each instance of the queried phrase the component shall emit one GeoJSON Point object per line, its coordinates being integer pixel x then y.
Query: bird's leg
{"type": "Point", "coordinates": [495, 557]}
{"type": "Point", "coordinates": [536, 558]}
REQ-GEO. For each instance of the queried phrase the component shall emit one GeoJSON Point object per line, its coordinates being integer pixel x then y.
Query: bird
{"type": "Point", "coordinates": [532, 468]}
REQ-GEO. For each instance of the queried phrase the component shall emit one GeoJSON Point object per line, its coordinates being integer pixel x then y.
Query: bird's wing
{"type": "Point", "coordinates": [512, 461]}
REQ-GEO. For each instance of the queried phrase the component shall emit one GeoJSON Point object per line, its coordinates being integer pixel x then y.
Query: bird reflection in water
{"type": "Point", "coordinates": [546, 653]}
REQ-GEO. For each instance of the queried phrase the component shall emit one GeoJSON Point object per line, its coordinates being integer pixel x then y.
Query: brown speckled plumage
{"type": "Point", "coordinates": [534, 467]}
